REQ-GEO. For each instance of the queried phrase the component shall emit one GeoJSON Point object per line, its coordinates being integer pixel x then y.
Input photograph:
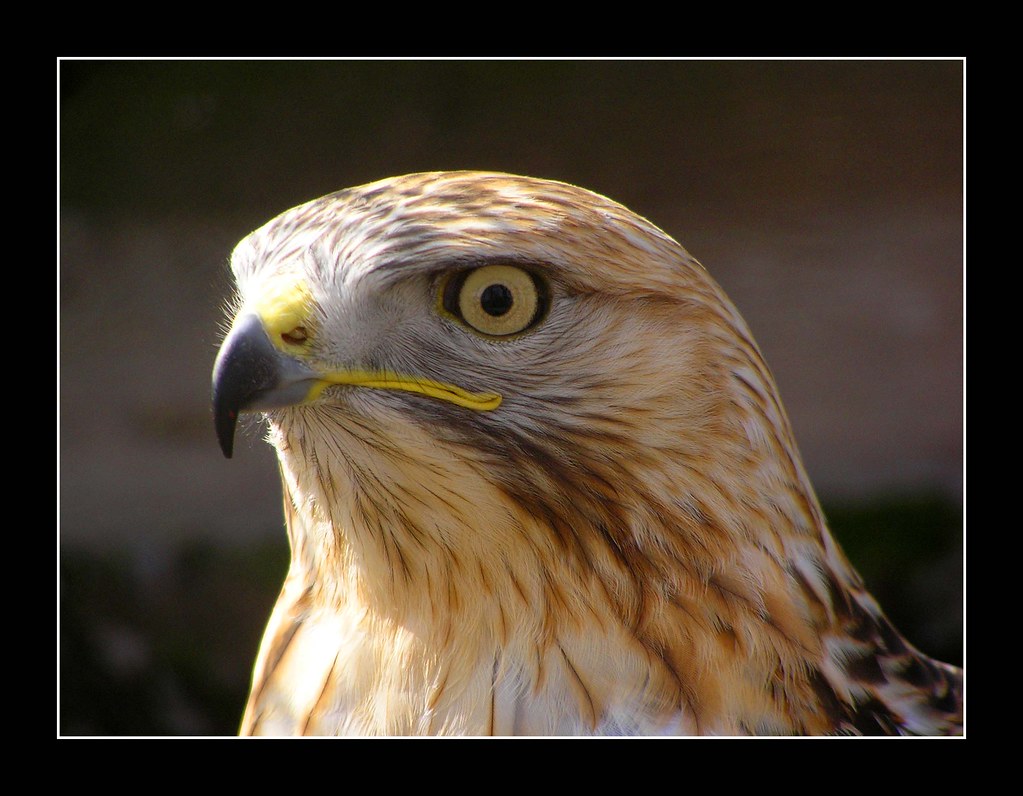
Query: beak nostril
{"type": "Point", "coordinates": [296, 336]}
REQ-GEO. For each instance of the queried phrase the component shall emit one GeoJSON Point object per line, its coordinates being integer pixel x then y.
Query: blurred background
{"type": "Point", "coordinates": [825, 196]}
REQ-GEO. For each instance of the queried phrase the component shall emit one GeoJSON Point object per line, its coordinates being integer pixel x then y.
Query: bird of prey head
{"type": "Point", "coordinates": [538, 480]}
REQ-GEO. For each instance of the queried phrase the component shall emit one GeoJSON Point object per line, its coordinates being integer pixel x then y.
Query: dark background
{"type": "Point", "coordinates": [825, 196]}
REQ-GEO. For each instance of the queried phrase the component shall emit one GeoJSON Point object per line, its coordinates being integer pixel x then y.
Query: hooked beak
{"type": "Point", "coordinates": [251, 374]}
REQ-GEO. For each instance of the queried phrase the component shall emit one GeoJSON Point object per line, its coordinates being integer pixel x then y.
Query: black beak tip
{"type": "Point", "coordinates": [246, 368]}
{"type": "Point", "coordinates": [225, 420]}
{"type": "Point", "coordinates": [225, 415]}
{"type": "Point", "coordinates": [251, 375]}
{"type": "Point", "coordinates": [227, 400]}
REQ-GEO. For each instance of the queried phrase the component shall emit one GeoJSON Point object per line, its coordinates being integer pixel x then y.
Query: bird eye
{"type": "Point", "coordinates": [495, 300]}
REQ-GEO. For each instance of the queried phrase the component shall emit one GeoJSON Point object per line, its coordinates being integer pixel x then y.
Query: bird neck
{"type": "Point", "coordinates": [684, 598]}
{"type": "Point", "coordinates": [634, 598]}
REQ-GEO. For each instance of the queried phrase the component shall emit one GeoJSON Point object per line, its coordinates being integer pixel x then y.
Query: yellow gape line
{"type": "Point", "coordinates": [480, 401]}
{"type": "Point", "coordinates": [285, 306]}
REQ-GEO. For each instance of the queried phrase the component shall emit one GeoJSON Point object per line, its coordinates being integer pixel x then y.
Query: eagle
{"type": "Point", "coordinates": [538, 480]}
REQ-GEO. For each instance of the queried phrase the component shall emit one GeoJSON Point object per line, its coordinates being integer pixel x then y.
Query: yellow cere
{"type": "Point", "coordinates": [284, 304]}
{"type": "Point", "coordinates": [480, 401]}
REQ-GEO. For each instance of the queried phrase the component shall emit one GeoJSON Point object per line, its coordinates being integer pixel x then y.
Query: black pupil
{"type": "Point", "coordinates": [496, 300]}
